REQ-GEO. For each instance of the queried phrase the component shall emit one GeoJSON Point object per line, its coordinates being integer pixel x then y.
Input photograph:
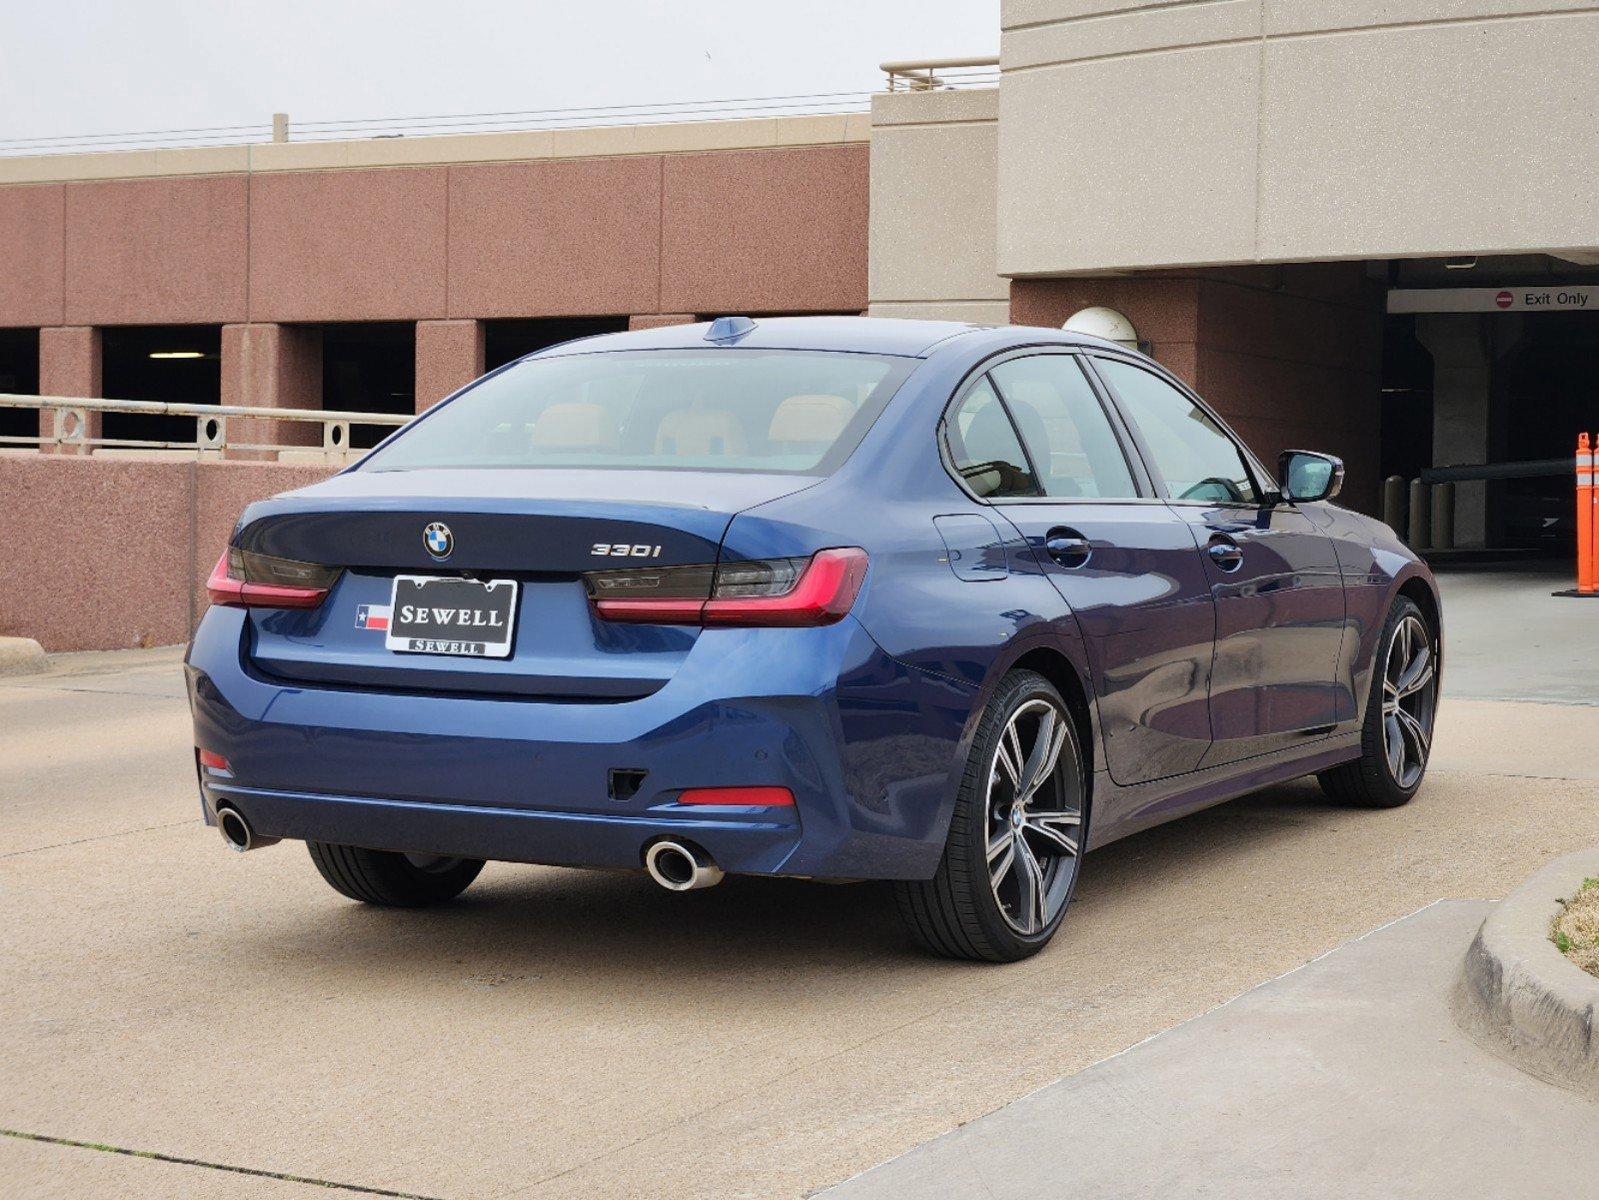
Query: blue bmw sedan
{"type": "Point", "coordinates": [834, 598]}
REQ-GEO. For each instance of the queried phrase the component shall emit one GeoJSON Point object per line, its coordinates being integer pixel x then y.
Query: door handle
{"type": "Point", "coordinates": [1227, 554]}
{"type": "Point", "coordinates": [1067, 547]}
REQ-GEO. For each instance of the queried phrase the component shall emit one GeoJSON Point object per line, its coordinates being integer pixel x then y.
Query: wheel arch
{"type": "Point", "coordinates": [1418, 587]}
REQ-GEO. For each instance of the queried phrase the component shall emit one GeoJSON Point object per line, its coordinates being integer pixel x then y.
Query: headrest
{"type": "Point", "coordinates": [697, 432]}
{"type": "Point", "coordinates": [574, 427]}
{"type": "Point", "coordinates": [818, 418]}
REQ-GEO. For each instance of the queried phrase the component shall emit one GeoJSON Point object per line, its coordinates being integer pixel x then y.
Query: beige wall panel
{"type": "Point", "coordinates": [978, 312]}
{"type": "Point", "coordinates": [934, 108]}
{"type": "Point", "coordinates": [1037, 12]}
{"type": "Point", "coordinates": [1131, 32]}
{"type": "Point", "coordinates": [1304, 16]}
{"type": "Point", "coordinates": [1467, 138]}
{"type": "Point", "coordinates": [932, 214]}
{"type": "Point", "coordinates": [1129, 162]}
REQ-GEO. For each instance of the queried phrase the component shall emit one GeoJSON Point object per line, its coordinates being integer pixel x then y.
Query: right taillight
{"type": "Point", "coordinates": [776, 592]}
{"type": "Point", "coordinates": [244, 578]}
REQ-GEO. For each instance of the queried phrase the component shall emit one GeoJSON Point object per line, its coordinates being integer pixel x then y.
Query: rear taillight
{"type": "Point", "coordinates": [785, 591]}
{"type": "Point", "coordinates": [243, 578]}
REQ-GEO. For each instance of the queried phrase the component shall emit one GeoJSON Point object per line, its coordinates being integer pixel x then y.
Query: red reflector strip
{"type": "Point", "coordinates": [741, 797]}
{"type": "Point", "coordinates": [222, 588]}
{"type": "Point", "coordinates": [210, 758]}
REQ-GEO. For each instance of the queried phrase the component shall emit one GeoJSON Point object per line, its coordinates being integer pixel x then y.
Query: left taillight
{"type": "Point", "coordinates": [773, 592]}
{"type": "Point", "coordinates": [245, 579]}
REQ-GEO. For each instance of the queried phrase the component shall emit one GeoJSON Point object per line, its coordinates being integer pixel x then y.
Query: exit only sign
{"type": "Point", "coordinates": [1494, 299]}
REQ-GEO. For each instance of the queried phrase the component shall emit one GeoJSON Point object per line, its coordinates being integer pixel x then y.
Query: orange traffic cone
{"type": "Point", "coordinates": [1587, 567]}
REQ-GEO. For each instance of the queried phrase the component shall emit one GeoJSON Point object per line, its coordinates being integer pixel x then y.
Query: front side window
{"type": "Point", "coordinates": [985, 449]}
{"type": "Point", "coordinates": [1065, 428]}
{"type": "Point", "coordinates": [782, 411]}
{"type": "Point", "coordinates": [1198, 461]}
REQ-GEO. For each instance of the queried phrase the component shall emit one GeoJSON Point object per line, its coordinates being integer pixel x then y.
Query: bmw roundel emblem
{"type": "Point", "coordinates": [438, 539]}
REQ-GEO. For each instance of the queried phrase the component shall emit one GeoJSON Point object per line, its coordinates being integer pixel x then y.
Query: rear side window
{"type": "Point", "coordinates": [1198, 461]}
{"type": "Point", "coordinates": [783, 411]}
{"type": "Point", "coordinates": [1065, 428]}
{"type": "Point", "coordinates": [984, 446]}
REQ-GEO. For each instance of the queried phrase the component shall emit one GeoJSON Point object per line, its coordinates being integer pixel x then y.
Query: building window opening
{"type": "Point", "coordinates": [177, 364]}
{"type": "Point", "coordinates": [19, 373]}
{"type": "Point", "coordinates": [369, 367]}
{"type": "Point", "coordinates": [1542, 396]}
{"type": "Point", "coordinates": [507, 341]}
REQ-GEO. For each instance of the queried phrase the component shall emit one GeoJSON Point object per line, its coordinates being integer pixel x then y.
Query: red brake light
{"type": "Point", "coordinates": [242, 578]}
{"type": "Point", "coordinates": [751, 797]}
{"type": "Point", "coordinates": [213, 760]}
{"type": "Point", "coordinates": [780, 592]}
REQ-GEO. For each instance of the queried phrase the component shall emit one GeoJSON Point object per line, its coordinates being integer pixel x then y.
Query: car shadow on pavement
{"type": "Point", "coordinates": [520, 923]}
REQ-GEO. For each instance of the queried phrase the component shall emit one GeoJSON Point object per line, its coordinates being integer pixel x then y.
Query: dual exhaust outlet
{"type": "Point", "coordinates": [676, 866]}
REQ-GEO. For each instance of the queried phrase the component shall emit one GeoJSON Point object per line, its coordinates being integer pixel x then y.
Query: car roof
{"type": "Point", "coordinates": [858, 335]}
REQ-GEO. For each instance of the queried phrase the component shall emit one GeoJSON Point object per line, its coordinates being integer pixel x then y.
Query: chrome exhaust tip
{"type": "Point", "coordinates": [236, 831]}
{"type": "Point", "coordinates": [680, 867]}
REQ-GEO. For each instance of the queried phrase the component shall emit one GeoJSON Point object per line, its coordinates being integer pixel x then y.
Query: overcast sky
{"type": "Point", "coordinates": [79, 66]}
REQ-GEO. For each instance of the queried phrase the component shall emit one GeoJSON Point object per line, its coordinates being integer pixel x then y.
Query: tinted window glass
{"type": "Point", "coordinates": [742, 410]}
{"type": "Point", "coordinates": [1065, 428]}
{"type": "Point", "coordinates": [983, 444]}
{"type": "Point", "coordinates": [1198, 460]}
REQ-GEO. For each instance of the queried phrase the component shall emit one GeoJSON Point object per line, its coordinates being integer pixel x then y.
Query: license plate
{"type": "Point", "coordinates": [430, 614]}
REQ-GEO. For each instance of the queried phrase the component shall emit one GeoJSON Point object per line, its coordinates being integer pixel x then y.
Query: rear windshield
{"type": "Point", "coordinates": [785, 411]}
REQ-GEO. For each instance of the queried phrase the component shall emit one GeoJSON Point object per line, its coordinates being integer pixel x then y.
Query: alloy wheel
{"type": "Point", "coordinates": [1034, 821]}
{"type": "Point", "coordinates": [1409, 697]}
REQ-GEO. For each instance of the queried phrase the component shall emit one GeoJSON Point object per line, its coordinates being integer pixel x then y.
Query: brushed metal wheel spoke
{"type": "Point", "coordinates": [1030, 884]}
{"type": "Point", "coordinates": [1052, 827]}
{"type": "Point", "coordinates": [1033, 819]}
{"type": "Point", "coordinates": [1001, 856]}
{"type": "Point", "coordinates": [1408, 701]}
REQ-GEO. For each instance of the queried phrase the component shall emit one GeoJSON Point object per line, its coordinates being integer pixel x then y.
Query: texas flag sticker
{"type": "Point", "coordinates": [372, 616]}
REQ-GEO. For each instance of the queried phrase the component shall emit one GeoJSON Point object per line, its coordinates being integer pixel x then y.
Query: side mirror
{"type": "Point", "coordinates": [1307, 476]}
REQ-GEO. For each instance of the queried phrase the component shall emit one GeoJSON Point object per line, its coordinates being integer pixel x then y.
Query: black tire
{"type": "Point", "coordinates": [392, 880]}
{"type": "Point", "coordinates": [1370, 781]}
{"type": "Point", "coordinates": [959, 912]}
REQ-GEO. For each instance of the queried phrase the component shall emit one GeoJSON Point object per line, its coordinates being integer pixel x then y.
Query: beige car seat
{"type": "Point", "coordinates": [810, 420]}
{"type": "Point", "coordinates": [573, 429]}
{"type": "Point", "coordinates": [700, 433]}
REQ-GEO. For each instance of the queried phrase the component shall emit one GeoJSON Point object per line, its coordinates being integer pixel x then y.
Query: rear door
{"type": "Point", "coordinates": [1032, 439]}
{"type": "Point", "coordinates": [1279, 593]}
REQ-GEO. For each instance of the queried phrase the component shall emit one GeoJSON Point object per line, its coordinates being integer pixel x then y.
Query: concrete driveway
{"type": "Point", "coordinates": [561, 1033]}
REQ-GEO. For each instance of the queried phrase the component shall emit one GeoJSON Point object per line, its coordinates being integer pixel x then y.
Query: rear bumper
{"type": "Point", "coordinates": [865, 743]}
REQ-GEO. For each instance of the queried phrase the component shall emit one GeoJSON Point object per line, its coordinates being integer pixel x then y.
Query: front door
{"type": "Point", "coordinates": [1122, 559]}
{"type": "Point", "coordinates": [1278, 590]}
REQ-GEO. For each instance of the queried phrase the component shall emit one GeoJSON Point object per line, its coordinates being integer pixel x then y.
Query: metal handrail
{"type": "Point", "coordinates": [928, 74]}
{"type": "Point", "coordinates": [69, 425]}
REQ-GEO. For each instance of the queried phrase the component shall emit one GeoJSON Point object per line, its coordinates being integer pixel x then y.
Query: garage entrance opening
{"type": "Point", "coordinates": [507, 341]}
{"type": "Point", "coordinates": [179, 364]}
{"type": "Point", "coordinates": [19, 372]}
{"type": "Point", "coordinates": [1493, 364]}
{"type": "Point", "coordinates": [369, 367]}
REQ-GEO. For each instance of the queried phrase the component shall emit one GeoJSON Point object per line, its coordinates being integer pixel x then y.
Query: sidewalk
{"type": "Point", "coordinates": [1344, 1078]}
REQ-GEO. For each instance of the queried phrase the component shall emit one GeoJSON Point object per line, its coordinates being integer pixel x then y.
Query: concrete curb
{"type": "Point", "coordinates": [20, 656]}
{"type": "Point", "coordinates": [1520, 997]}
